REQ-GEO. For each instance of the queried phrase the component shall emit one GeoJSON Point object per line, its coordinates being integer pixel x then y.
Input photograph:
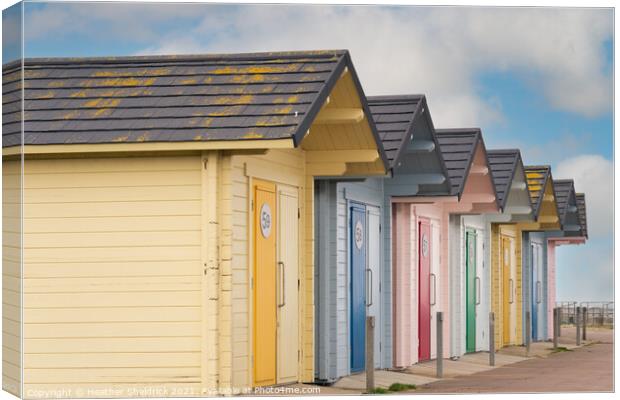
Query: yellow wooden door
{"type": "Point", "coordinates": [507, 287]}
{"type": "Point", "coordinates": [264, 296]}
{"type": "Point", "coordinates": [288, 289]}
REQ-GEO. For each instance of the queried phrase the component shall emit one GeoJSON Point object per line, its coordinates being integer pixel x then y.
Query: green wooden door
{"type": "Point", "coordinates": [470, 291]}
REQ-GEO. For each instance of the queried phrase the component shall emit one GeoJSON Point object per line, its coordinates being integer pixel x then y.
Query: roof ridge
{"type": "Point", "coordinates": [249, 56]}
{"type": "Point", "coordinates": [396, 98]}
{"type": "Point", "coordinates": [498, 151]}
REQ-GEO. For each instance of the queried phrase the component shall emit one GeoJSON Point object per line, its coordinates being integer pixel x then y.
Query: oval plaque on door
{"type": "Point", "coordinates": [424, 245]}
{"type": "Point", "coordinates": [359, 235]}
{"type": "Point", "coordinates": [265, 220]}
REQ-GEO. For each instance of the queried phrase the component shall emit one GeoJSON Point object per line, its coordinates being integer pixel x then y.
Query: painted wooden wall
{"type": "Point", "coordinates": [112, 274]}
{"type": "Point", "coordinates": [528, 238]}
{"type": "Point", "coordinates": [479, 225]}
{"type": "Point", "coordinates": [332, 275]}
{"type": "Point", "coordinates": [406, 217]}
{"type": "Point", "coordinates": [551, 286]}
{"type": "Point", "coordinates": [511, 230]}
{"type": "Point", "coordinates": [285, 166]}
{"type": "Point", "coordinates": [11, 277]}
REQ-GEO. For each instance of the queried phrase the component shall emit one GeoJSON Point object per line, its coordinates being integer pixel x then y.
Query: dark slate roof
{"type": "Point", "coordinates": [563, 189]}
{"type": "Point", "coordinates": [581, 207]}
{"type": "Point", "coordinates": [171, 98]}
{"type": "Point", "coordinates": [537, 177]}
{"type": "Point", "coordinates": [394, 116]}
{"type": "Point", "coordinates": [503, 165]}
{"type": "Point", "coordinates": [458, 147]}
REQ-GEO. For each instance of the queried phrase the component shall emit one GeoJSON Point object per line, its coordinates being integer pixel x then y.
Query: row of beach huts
{"type": "Point", "coordinates": [195, 225]}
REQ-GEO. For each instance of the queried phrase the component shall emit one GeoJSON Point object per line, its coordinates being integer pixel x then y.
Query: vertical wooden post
{"type": "Point", "coordinates": [439, 344]}
{"type": "Point", "coordinates": [584, 312]}
{"type": "Point", "coordinates": [559, 321]}
{"type": "Point", "coordinates": [577, 323]}
{"type": "Point", "coordinates": [556, 324]}
{"type": "Point", "coordinates": [528, 332]}
{"type": "Point", "coordinates": [491, 339]}
{"type": "Point", "coordinates": [210, 269]}
{"type": "Point", "coordinates": [370, 357]}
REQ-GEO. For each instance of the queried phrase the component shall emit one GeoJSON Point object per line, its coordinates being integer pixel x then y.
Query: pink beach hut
{"type": "Point", "coordinates": [421, 242]}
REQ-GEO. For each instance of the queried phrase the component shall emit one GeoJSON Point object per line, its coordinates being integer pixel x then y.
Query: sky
{"type": "Point", "coordinates": [537, 79]}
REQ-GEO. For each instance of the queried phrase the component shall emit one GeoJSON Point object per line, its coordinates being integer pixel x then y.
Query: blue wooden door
{"type": "Point", "coordinates": [538, 310]}
{"type": "Point", "coordinates": [358, 286]}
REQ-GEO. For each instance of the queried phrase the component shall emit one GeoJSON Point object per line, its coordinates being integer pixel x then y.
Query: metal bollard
{"type": "Point", "coordinates": [584, 312]}
{"type": "Point", "coordinates": [577, 323]}
{"type": "Point", "coordinates": [559, 321]}
{"type": "Point", "coordinates": [370, 357]}
{"type": "Point", "coordinates": [439, 344]}
{"type": "Point", "coordinates": [528, 332]}
{"type": "Point", "coordinates": [491, 339]}
{"type": "Point", "coordinates": [556, 323]}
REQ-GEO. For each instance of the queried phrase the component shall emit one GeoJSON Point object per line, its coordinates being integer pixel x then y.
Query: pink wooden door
{"type": "Point", "coordinates": [424, 311]}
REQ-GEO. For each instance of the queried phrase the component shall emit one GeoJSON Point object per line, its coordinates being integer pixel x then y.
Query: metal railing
{"type": "Point", "coordinates": [599, 313]}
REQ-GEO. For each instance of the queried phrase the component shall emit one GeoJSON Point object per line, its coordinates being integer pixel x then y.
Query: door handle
{"type": "Point", "coordinates": [282, 302]}
{"type": "Point", "coordinates": [434, 288]}
{"type": "Point", "coordinates": [369, 282]}
{"type": "Point", "coordinates": [538, 292]}
{"type": "Point", "coordinates": [512, 295]}
{"type": "Point", "coordinates": [477, 284]}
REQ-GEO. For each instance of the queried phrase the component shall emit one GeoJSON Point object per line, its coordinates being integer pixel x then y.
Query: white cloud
{"type": "Point", "coordinates": [593, 175]}
{"type": "Point", "coordinates": [437, 51]}
{"type": "Point", "coordinates": [130, 22]}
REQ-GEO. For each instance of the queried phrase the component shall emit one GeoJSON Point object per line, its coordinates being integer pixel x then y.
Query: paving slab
{"type": "Point", "coordinates": [586, 369]}
{"type": "Point", "coordinates": [500, 359]}
{"type": "Point", "coordinates": [451, 368]}
{"type": "Point", "coordinates": [383, 379]}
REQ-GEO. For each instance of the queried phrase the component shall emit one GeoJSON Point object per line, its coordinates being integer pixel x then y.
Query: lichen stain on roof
{"type": "Point", "coordinates": [124, 82]}
{"type": "Point", "coordinates": [253, 135]}
{"type": "Point", "coordinates": [248, 78]}
{"type": "Point", "coordinates": [102, 103]}
{"type": "Point", "coordinates": [234, 99]}
{"type": "Point", "coordinates": [54, 84]}
{"type": "Point", "coordinates": [79, 93]}
{"type": "Point", "coordinates": [228, 70]}
{"type": "Point", "coordinates": [270, 121]}
{"type": "Point", "coordinates": [47, 95]}
{"type": "Point", "coordinates": [102, 112]}
{"type": "Point", "coordinates": [125, 73]}
{"type": "Point", "coordinates": [121, 138]}
{"type": "Point", "coordinates": [283, 110]}
{"type": "Point", "coordinates": [71, 114]}
{"type": "Point", "coordinates": [143, 137]}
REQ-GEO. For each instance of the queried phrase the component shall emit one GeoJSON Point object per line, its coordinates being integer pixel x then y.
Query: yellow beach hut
{"type": "Point", "coordinates": [511, 186]}
{"type": "Point", "coordinates": [509, 242]}
{"type": "Point", "coordinates": [158, 212]}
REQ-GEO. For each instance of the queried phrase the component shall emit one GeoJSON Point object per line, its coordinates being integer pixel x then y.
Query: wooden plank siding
{"type": "Point", "coordinates": [511, 230]}
{"type": "Point", "coordinates": [11, 277]}
{"type": "Point", "coordinates": [112, 275]}
{"type": "Point", "coordinates": [286, 166]}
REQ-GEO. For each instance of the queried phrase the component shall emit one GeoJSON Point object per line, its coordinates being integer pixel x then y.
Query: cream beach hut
{"type": "Point", "coordinates": [159, 217]}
